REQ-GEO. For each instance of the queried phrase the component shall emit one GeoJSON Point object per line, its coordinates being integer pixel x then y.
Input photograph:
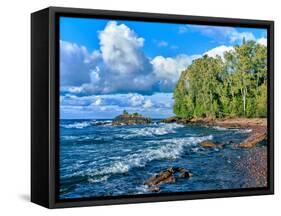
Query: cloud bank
{"type": "Point", "coordinates": [111, 105]}
{"type": "Point", "coordinates": [119, 66]}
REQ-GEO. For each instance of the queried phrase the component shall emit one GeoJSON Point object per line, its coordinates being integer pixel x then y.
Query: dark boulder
{"type": "Point", "coordinates": [168, 176]}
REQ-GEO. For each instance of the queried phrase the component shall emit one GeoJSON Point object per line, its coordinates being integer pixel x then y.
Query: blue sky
{"type": "Point", "coordinates": [107, 66]}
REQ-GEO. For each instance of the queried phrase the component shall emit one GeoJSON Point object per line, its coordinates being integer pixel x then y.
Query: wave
{"type": "Point", "coordinates": [238, 130]}
{"type": "Point", "coordinates": [68, 137]}
{"type": "Point", "coordinates": [84, 124]}
{"type": "Point", "coordinates": [96, 180]}
{"type": "Point", "coordinates": [245, 130]}
{"type": "Point", "coordinates": [161, 129]}
{"type": "Point", "coordinates": [164, 149]}
{"type": "Point", "coordinates": [77, 125]}
{"type": "Point", "coordinates": [103, 123]}
{"type": "Point", "coordinates": [220, 128]}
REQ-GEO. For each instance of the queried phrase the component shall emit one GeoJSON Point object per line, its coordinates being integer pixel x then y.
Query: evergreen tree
{"type": "Point", "coordinates": [235, 86]}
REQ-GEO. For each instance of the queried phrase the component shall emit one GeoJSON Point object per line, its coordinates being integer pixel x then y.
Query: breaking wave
{"type": "Point", "coordinates": [238, 130]}
{"type": "Point", "coordinates": [160, 129]}
{"type": "Point", "coordinates": [163, 149]}
{"type": "Point", "coordinates": [84, 124]}
{"type": "Point", "coordinates": [77, 125]}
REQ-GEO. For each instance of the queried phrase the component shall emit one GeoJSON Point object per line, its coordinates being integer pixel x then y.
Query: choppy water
{"type": "Point", "coordinates": [104, 160]}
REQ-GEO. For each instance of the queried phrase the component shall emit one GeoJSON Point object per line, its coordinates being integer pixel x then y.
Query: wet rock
{"type": "Point", "coordinates": [99, 123]}
{"type": "Point", "coordinates": [172, 119]}
{"type": "Point", "coordinates": [163, 177]}
{"type": "Point", "coordinates": [258, 135]}
{"type": "Point", "coordinates": [175, 119]}
{"type": "Point", "coordinates": [208, 144]}
{"type": "Point", "coordinates": [154, 189]}
{"type": "Point", "coordinates": [168, 176]}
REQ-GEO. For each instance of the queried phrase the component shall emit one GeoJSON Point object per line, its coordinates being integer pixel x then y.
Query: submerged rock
{"type": "Point", "coordinates": [168, 176]}
{"type": "Point", "coordinates": [208, 144]}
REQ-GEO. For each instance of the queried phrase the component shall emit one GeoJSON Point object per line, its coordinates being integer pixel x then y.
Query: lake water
{"type": "Point", "coordinates": [104, 160]}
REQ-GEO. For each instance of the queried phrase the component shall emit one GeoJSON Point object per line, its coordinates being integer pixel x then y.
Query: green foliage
{"type": "Point", "coordinates": [125, 112]}
{"type": "Point", "coordinates": [215, 88]}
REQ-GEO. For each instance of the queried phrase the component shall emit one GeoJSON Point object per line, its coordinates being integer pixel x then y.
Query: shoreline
{"type": "Point", "coordinates": [255, 164]}
{"type": "Point", "coordinates": [258, 127]}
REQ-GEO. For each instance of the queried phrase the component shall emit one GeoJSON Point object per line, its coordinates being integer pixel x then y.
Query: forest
{"type": "Point", "coordinates": [234, 85]}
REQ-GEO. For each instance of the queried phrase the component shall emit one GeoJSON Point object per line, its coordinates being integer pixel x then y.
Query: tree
{"type": "Point", "coordinates": [125, 112]}
{"type": "Point", "coordinates": [233, 86]}
{"type": "Point", "coordinates": [196, 93]}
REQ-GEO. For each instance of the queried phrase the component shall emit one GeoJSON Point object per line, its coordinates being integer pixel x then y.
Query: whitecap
{"type": "Point", "coordinates": [77, 125]}
{"type": "Point", "coordinates": [238, 130]}
{"type": "Point", "coordinates": [142, 189]}
{"type": "Point", "coordinates": [161, 129]}
{"type": "Point", "coordinates": [220, 128]}
{"type": "Point", "coordinates": [96, 180]}
{"type": "Point", "coordinates": [68, 137]}
{"type": "Point", "coordinates": [245, 130]}
{"type": "Point", "coordinates": [169, 149]}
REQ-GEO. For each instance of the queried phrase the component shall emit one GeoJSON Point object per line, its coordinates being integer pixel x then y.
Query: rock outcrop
{"type": "Point", "coordinates": [130, 119]}
{"type": "Point", "coordinates": [257, 135]}
{"type": "Point", "coordinates": [168, 176]}
{"type": "Point", "coordinates": [175, 119]}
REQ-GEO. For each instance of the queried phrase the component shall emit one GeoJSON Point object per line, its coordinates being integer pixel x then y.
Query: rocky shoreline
{"type": "Point", "coordinates": [254, 165]}
{"type": "Point", "coordinates": [258, 127]}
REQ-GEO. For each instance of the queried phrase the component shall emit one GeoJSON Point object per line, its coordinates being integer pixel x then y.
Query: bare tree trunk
{"type": "Point", "coordinates": [211, 100]}
{"type": "Point", "coordinates": [243, 94]}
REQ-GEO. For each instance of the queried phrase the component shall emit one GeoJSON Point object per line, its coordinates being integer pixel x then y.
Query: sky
{"type": "Point", "coordinates": [107, 66]}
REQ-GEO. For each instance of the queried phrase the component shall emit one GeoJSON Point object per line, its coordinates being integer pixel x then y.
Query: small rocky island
{"type": "Point", "coordinates": [130, 119]}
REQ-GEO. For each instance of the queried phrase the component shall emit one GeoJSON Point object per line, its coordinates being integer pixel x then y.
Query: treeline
{"type": "Point", "coordinates": [232, 86]}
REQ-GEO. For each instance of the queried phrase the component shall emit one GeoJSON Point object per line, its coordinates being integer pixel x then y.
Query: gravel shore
{"type": "Point", "coordinates": [254, 165]}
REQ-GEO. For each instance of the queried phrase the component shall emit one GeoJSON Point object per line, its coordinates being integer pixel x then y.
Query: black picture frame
{"type": "Point", "coordinates": [45, 106]}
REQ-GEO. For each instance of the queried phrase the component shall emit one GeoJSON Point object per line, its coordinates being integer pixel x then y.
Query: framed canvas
{"type": "Point", "coordinates": [138, 107]}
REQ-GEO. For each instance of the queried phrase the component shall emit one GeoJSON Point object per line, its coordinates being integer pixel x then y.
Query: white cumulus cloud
{"type": "Point", "coordinates": [136, 99]}
{"type": "Point", "coordinates": [121, 48]}
{"type": "Point", "coordinates": [148, 104]}
{"type": "Point", "coordinates": [220, 50]}
{"type": "Point", "coordinates": [262, 41]}
{"type": "Point", "coordinates": [169, 69]}
{"type": "Point", "coordinates": [74, 63]}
